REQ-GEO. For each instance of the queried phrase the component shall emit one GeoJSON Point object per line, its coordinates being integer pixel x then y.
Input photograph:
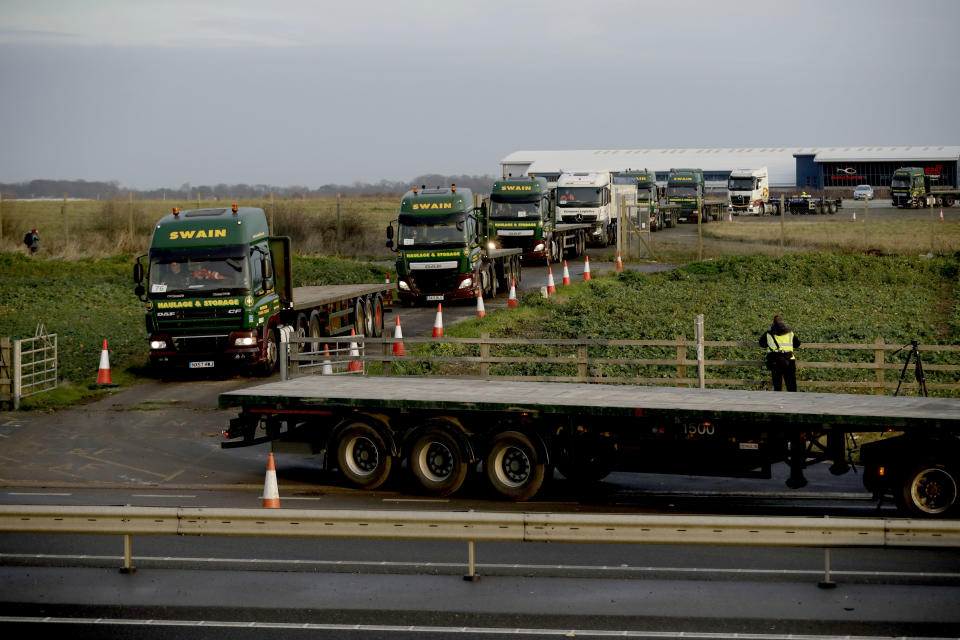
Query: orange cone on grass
{"type": "Point", "coordinates": [271, 495]}
{"type": "Point", "coordinates": [551, 286]}
{"type": "Point", "coordinates": [619, 263]}
{"type": "Point", "coordinates": [103, 374]}
{"type": "Point", "coordinates": [586, 268]}
{"type": "Point", "coordinates": [566, 274]}
{"type": "Point", "coordinates": [941, 215]}
{"type": "Point", "coordinates": [398, 349]}
{"type": "Point", "coordinates": [438, 322]}
{"type": "Point", "coordinates": [327, 368]}
{"type": "Point", "coordinates": [512, 300]}
{"type": "Point", "coordinates": [481, 312]}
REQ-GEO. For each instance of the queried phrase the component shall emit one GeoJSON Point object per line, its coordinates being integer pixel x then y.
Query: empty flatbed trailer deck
{"type": "Point", "coordinates": [444, 426]}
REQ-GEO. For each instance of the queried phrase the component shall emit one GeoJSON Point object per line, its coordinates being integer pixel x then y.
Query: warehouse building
{"type": "Point", "coordinates": [803, 167]}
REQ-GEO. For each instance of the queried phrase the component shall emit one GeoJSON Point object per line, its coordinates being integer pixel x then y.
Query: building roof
{"type": "Point", "coordinates": [780, 162]}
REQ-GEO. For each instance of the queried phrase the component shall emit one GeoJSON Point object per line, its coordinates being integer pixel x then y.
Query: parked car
{"type": "Point", "coordinates": [863, 192]}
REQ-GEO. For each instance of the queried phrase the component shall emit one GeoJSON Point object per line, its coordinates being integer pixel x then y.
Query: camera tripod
{"type": "Point", "coordinates": [918, 367]}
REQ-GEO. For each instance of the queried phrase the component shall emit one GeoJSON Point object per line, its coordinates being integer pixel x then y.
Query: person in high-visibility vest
{"type": "Point", "coordinates": [780, 342]}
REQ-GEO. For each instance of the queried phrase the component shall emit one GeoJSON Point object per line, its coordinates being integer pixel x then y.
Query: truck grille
{"type": "Point", "coordinates": [199, 319]}
{"type": "Point", "coordinates": [200, 344]}
{"type": "Point", "coordinates": [740, 200]}
{"type": "Point", "coordinates": [575, 218]}
{"type": "Point", "coordinates": [436, 281]}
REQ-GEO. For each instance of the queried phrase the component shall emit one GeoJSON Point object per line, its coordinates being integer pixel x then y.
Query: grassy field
{"type": "Point", "coordinates": [98, 229]}
{"type": "Point", "coordinates": [88, 300]}
{"type": "Point", "coordinates": [79, 284]}
{"type": "Point", "coordinates": [825, 297]}
{"type": "Point", "coordinates": [887, 237]}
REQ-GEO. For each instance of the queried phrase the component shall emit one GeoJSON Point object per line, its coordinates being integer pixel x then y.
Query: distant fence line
{"type": "Point", "coordinates": [690, 363]}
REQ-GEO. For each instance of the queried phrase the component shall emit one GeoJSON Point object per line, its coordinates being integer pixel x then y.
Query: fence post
{"type": "Point", "coordinates": [387, 352]}
{"type": "Point", "coordinates": [16, 384]}
{"type": "Point", "coordinates": [340, 225]}
{"type": "Point", "coordinates": [698, 328]}
{"type": "Point", "coordinates": [582, 359]}
{"type": "Point", "coordinates": [878, 359]}
{"type": "Point", "coordinates": [681, 356]}
{"type": "Point", "coordinates": [783, 205]}
{"type": "Point", "coordinates": [484, 354]}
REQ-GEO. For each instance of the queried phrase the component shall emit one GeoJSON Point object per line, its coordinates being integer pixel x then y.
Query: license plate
{"type": "Point", "coordinates": [434, 298]}
{"type": "Point", "coordinates": [204, 364]}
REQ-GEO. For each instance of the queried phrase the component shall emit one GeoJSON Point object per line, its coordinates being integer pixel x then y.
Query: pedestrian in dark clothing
{"type": "Point", "coordinates": [32, 240]}
{"type": "Point", "coordinates": [780, 341]}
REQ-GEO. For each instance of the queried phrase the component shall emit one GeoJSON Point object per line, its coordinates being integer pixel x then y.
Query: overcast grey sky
{"type": "Point", "coordinates": [298, 92]}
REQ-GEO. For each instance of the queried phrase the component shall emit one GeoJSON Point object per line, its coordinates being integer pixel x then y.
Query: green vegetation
{"type": "Point", "coordinates": [89, 300]}
{"type": "Point", "coordinates": [827, 298]}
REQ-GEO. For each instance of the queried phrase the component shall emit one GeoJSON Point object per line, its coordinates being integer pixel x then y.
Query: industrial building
{"type": "Point", "coordinates": [801, 167]}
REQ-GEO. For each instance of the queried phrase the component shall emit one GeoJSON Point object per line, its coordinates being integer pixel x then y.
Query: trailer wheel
{"type": "Point", "coordinates": [928, 489]}
{"type": "Point", "coordinates": [589, 458]}
{"type": "Point", "coordinates": [302, 330]}
{"type": "Point", "coordinates": [360, 318]}
{"type": "Point", "coordinates": [514, 466]}
{"type": "Point", "coordinates": [316, 328]}
{"type": "Point", "coordinates": [363, 456]}
{"type": "Point", "coordinates": [438, 462]}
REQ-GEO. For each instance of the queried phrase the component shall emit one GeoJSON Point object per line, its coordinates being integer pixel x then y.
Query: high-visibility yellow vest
{"type": "Point", "coordinates": [785, 342]}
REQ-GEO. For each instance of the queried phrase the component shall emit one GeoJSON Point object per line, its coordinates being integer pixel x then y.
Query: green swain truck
{"type": "Point", "coordinates": [219, 294]}
{"type": "Point", "coordinates": [444, 251]}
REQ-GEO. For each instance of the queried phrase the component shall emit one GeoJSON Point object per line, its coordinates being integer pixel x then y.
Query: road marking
{"type": "Point", "coordinates": [419, 629]}
{"type": "Point", "coordinates": [116, 464]}
{"type": "Point", "coordinates": [416, 500]}
{"type": "Point", "coordinates": [28, 493]}
{"type": "Point", "coordinates": [160, 495]}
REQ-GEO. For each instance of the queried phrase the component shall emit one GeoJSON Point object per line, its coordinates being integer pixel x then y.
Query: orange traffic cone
{"type": "Point", "coordinates": [941, 215]}
{"type": "Point", "coordinates": [387, 281]}
{"type": "Point", "coordinates": [619, 263]}
{"type": "Point", "coordinates": [271, 495]}
{"type": "Point", "coordinates": [551, 286]}
{"type": "Point", "coordinates": [103, 375]}
{"type": "Point", "coordinates": [398, 349]}
{"type": "Point", "coordinates": [438, 323]}
{"type": "Point", "coordinates": [327, 368]}
{"type": "Point", "coordinates": [512, 300]}
{"type": "Point", "coordinates": [854, 219]}
{"type": "Point", "coordinates": [586, 268]}
{"type": "Point", "coordinates": [566, 274]}
{"type": "Point", "coordinates": [481, 312]}
{"type": "Point", "coordinates": [355, 364]}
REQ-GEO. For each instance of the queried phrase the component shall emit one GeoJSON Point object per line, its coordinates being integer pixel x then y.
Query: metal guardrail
{"type": "Point", "coordinates": [473, 527]}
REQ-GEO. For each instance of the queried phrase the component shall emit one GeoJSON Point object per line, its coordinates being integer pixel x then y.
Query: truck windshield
{"type": "Point", "coordinates": [182, 275]}
{"type": "Point", "coordinates": [645, 192]}
{"type": "Point", "coordinates": [740, 184]}
{"type": "Point", "coordinates": [579, 196]}
{"type": "Point", "coordinates": [513, 210]}
{"type": "Point", "coordinates": [684, 191]}
{"type": "Point", "coordinates": [900, 181]}
{"type": "Point", "coordinates": [422, 234]}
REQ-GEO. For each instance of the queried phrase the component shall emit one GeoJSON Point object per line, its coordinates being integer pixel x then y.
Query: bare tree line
{"type": "Point", "coordinates": [100, 190]}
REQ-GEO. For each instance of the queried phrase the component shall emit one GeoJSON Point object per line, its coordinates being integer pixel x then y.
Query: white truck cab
{"type": "Point", "coordinates": [591, 197]}
{"type": "Point", "coordinates": [749, 191]}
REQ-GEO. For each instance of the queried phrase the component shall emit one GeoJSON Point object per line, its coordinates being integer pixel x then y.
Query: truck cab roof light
{"type": "Point", "coordinates": [176, 211]}
{"type": "Point", "coordinates": [415, 191]}
{"type": "Point", "coordinates": [234, 208]}
{"type": "Point", "coordinates": [453, 188]}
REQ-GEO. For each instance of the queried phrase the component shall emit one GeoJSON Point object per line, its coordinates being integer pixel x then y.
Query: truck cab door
{"type": "Point", "coordinates": [280, 253]}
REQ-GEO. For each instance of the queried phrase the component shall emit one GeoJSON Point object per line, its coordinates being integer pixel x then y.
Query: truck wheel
{"type": "Point", "coordinates": [302, 331]}
{"type": "Point", "coordinates": [362, 456]}
{"type": "Point", "coordinates": [316, 328]}
{"type": "Point", "coordinates": [359, 318]}
{"type": "Point", "coordinates": [514, 466]}
{"type": "Point", "coordinates": [929, 489]}
{"type": "Point", "coordinates": [368, 317]}
{"type": "Point", "coordinates": [437, 462]}
{"type": "Point", "coordinates": [271, 353]}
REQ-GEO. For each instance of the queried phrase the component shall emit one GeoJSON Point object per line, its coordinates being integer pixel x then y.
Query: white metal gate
{"type": "Point", "coordinates": [27, 366]}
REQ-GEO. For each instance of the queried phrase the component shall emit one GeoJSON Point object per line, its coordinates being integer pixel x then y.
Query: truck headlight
{"type": "Point", "coordinates": [158, 344]}
{"type": "Point", "coordinates": [491, 245]}
{"type": "Point", "coordinates": [539, 247]}
{"type": "Point", "coordinates": [243, 339]}
{"type": "Point", "coordinates": [466, 283]}
{"type": "Point", "coordinates": [402, 285]}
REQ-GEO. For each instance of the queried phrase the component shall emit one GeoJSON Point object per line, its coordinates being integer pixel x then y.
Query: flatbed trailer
{"type": "Point", "coordinates": [712, 210]}
{"type": "Point", "coordinates": [518, 431]}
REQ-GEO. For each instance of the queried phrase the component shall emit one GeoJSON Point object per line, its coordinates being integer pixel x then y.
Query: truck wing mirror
{"type": "Point", "coordinates": [390, 244]}
{"type": "Point", "coordinates": [137, 272]}
{"type": "Point", "coordinates": [389, 233]}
